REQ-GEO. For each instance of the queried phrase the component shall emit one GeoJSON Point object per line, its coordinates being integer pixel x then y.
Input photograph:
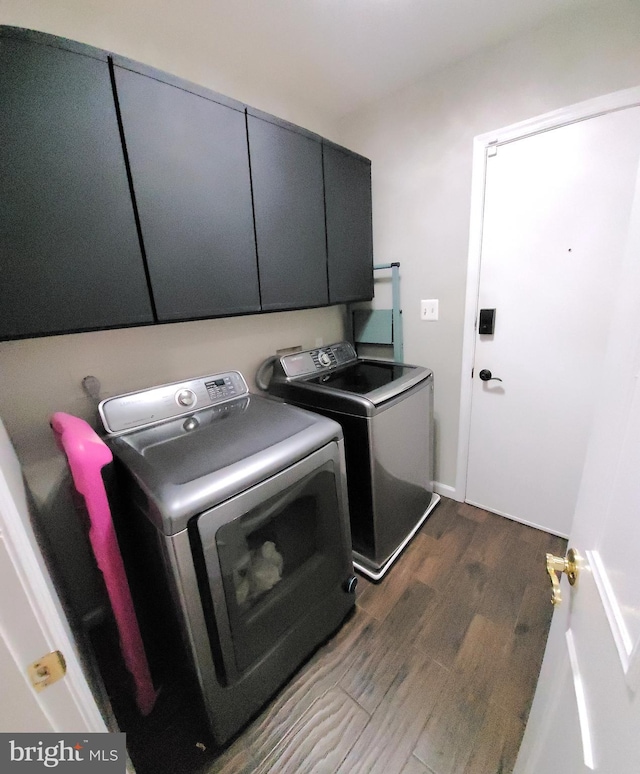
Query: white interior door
{"type": "Point", "coordinates": [586, 711]}
{"type": "Point", "coordinates": [32, 623]}
{"type": "Point", "coordinates": [557, 208]}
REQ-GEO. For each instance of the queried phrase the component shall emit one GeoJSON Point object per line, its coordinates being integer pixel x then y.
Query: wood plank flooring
{"type": "Point", "coordinates": [434, 673]}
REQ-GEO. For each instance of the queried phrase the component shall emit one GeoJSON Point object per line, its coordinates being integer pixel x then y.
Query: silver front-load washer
{"type": "Point", "coordinates": [242, 501]}
{"type": "Point", "coordinates": [386, 413]}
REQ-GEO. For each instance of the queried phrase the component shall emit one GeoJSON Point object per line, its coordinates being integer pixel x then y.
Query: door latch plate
{"type": "Point", "coordinates": [47, 670]}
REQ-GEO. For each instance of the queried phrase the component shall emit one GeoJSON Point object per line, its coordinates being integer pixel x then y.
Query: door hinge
{"type": "Point", "coordinates": [492, 149]}
{"type": "Point", "coordinates": [47, 670]}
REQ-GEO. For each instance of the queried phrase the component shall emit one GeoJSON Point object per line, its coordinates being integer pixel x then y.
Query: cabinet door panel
{"type": "Point", "coordinates": [70, 256]}
{"type": "Point", "coordinates": [190, 169]}
{"type": "Point", "coordinates": [349, 238]}
{"type": "Point", "coordinates": [286, 170]}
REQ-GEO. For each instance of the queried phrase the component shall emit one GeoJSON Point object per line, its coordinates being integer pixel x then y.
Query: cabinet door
{"type": "Point", "coordinates": [190, 169]}
{"type": "Point", "coordinates": [70, 256]}
{"type": "Point", "coordinates": [286, 169]}
{"type": "Point", "coordinates": [347, 180]}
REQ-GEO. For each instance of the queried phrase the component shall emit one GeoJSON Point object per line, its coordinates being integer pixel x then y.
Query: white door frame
{"type": "Point", "coordinates": [482, 146]}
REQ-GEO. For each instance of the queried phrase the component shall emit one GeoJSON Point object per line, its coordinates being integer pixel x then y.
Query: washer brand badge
{"type": "Point", "coordinates": [62, 753]}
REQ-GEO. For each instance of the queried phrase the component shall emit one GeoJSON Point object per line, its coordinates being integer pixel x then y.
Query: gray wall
{"type": "Point", "coordinates": [420, 142]}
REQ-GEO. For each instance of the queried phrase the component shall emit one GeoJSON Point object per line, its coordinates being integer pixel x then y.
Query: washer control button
{"type": "Point", "coordinates": [186, 398]}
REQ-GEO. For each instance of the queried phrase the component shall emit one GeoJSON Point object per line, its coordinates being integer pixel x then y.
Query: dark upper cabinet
{"type": "Point", "coordinates": [69, 251]}
{"type": "Point", "coordinates": [190, 170]}
{"type": "Point", "coordinates": [347, 180]}
{"type": "Point", "coordinates": [129, 196]}
{"type": "Point", "coordinates": [286, 171]}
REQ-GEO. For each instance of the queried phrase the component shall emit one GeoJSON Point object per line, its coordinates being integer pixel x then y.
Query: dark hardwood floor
{"type": "Point", "coordinates": [434, 673]}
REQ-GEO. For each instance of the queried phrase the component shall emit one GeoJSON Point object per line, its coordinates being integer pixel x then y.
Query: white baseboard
{"type": "Point", "coordinates": [526, 522]}
{"type": "Point", "coordinates": [446, 491]}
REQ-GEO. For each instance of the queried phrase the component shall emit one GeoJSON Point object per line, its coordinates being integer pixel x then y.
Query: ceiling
{"type": "Point", "coordinates": [340, 54]}
{"type": "Point", "coordinates": [331, 55]}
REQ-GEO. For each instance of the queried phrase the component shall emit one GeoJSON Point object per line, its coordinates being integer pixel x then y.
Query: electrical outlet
{"type": "Point", "coordinates": [429, 309]}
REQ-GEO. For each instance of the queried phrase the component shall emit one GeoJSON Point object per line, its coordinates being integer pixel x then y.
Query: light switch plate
{"type": "Point", "coordinates": [429, 309]}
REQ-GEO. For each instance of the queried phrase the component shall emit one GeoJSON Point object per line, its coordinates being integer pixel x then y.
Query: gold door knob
{"type": "Point", "coordinates": [568, 565]}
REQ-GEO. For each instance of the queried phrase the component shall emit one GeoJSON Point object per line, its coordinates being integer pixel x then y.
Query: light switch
{"type": "Point", "coordinates": [429, 309]}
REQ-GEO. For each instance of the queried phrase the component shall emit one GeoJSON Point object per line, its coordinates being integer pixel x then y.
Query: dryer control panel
{"type": "Point", "coordinates": [315, 360]}
{"type": "Point", "coordinates": [168, 401]}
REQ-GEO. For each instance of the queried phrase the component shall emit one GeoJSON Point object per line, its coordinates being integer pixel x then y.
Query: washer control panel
{"type": "Point", "coordinates": [313, 361]}
{"type": "Point", "coordinates": [157, 404]}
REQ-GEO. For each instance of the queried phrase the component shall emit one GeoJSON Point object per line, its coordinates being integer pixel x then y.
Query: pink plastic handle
{"type": "Point", "coordinates": [87, 454]}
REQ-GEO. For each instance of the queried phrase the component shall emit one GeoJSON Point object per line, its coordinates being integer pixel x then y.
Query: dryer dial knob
{"type": "Point", "coordinates": [324, 358]}
{"type": "Point", "coordinates": [350, 585]}
{"type": "Point", "coordinates": [186, 398]}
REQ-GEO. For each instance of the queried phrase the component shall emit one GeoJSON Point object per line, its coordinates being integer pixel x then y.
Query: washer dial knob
{"type": "Point", "coordinates": [186, 398]}
{"type": "Point", "coordinates": [324, 359]}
